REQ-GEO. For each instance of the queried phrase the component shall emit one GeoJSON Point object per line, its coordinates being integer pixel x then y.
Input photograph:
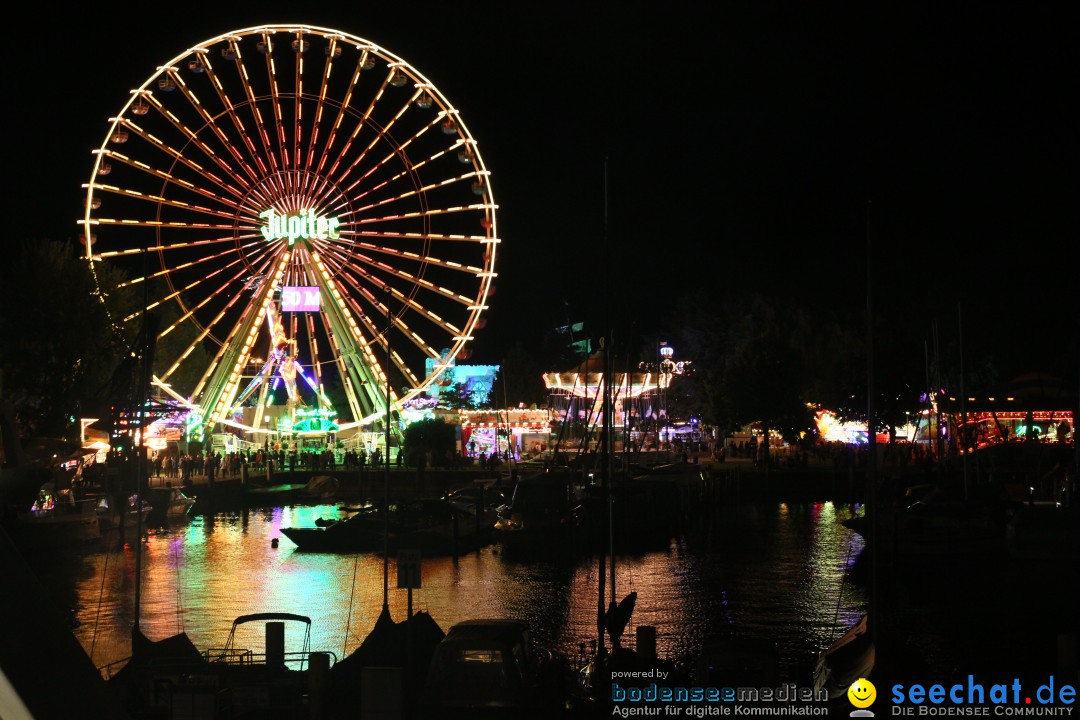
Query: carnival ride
{"type": "Point", "coordinates": [300, 207]}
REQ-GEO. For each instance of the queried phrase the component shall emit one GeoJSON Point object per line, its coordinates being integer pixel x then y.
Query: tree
{"type": "Point", "coordinates": [520, 379]}
{"type": "Point", "coordinates": [58, 351]}
{"type": "Point", "coordinates": [434, 436]}
{"type": "Point", "coordinates": [755, 361]}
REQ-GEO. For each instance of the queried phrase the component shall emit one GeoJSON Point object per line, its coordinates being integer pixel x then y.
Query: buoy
{"type": "Point", "coordinates": [273, 543]}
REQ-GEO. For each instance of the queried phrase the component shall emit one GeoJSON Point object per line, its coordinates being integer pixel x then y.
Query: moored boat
{"type": "Point", "coordinates": [431, 525]}
{"type": "Point", "coordinates": [111, 518]}
{"type": "Point", "coordinates": [489, 666]}
{"type": "Point", "coordinates": [846, 660]}
{"type": "Point", "coordinates": [541, 515]}
{"type": "Point", "coordinates": [176, 503]}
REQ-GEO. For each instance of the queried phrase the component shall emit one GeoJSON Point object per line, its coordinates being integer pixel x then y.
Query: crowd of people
{"type": "Point", "coordinates": [215, 465]}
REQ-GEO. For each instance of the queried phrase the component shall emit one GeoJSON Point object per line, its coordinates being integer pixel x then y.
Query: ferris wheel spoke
{"type": "Point", "coordinates": [276, 99]}
{"type": "Point", "coordinates": [233, 51]}
{"type": "Point", "coordinates": [428, 213]}
{"type": "Point", "coordinates": [313, 184]}
{"type": "Point", "coordinates": [344, 251]}
{"type": "Point", "coordinates": [209, 297]}
{"type": "Point", "coordinates": [417, 307]}
{"type": "Point", "coordinates": [425, 236]}
{"type": "Point", "coordinates": [260, 123]}
{"type": "Point", "coordinates": [361, 124]}
{"type": "Point", "coordinates": [362, 63]}
{"type": "Point", "coordinates": [382, 135]}
{"type": "Point", "coordinates": [396, 320]}
{"type": "Point", "coordinates": [350, 260]}
{"type": "Point", "coordinates": [397, 150]}
{"type": "Point", "coordinates": [210, 121]}
{"type": "Point", "coordinates": [97, 256]}
{"type": "Point", "coordinates": [178, 293]}
{"type": "Point", "coordinates": [174, 155]}
{"type": "Point", "coordinates": [298, 107]}
{"type": "Point", "coordinates": [172, 178]}
{"type": "Point", "coordinates": [249, 320]}
{"type": "Point", "coordinates": [160, 200]}
{"type": "Point", "coordinates": [181, 267]}
{"type": "Point", "coordinates": [194, 137]}
{"type": "Point", "coordinates": [411, 192]}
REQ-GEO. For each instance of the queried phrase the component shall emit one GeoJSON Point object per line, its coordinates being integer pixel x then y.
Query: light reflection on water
{"type": "Point", "coordinates": [770, 570]}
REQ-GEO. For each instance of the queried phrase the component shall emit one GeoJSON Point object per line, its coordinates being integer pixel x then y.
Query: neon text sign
{"type": "Point", "coordinates": [299, 299]}
{"type": "Point", "coordinates": [306, 225]}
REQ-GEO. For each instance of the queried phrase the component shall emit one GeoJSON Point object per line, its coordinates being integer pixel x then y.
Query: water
{"type": "Point", "coordinates": [775, 570]}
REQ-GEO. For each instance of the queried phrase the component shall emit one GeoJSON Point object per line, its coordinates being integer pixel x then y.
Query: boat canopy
{"type": "Point", "coordinates": [257, 617]}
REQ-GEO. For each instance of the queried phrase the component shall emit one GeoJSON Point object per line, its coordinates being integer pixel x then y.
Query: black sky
{"type": "Point", "coordinates": [744, 144]}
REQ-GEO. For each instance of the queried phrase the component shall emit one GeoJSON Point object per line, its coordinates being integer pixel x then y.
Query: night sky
{"type": "Point", "coordinates": [748, 147]}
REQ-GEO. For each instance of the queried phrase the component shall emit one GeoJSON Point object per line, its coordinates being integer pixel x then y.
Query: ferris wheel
{"type": "Point", "coordinates": [304, 213]}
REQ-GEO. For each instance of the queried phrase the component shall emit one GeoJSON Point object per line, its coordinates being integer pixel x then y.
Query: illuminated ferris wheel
{"type": "Point", "coordinates": [292, 203]}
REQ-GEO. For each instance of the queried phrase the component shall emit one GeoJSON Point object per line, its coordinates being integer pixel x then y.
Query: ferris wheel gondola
{"type": "Point", "coordinates": [292, 216]}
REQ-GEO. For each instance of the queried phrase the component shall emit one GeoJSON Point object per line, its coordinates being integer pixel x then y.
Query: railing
{"type": "Point", "coordinates": [226, 443]}
{"type": "Point", "coordinates": [245, 657]}
{"type": "Point", "coordinates": [231, 657]}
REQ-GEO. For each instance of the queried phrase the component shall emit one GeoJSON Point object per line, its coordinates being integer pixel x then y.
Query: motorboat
{"type": "Point", "coordinates": [541, 514]}
{"type": "Point", "coordinates": [744, 660]}
{"type": "Point", "coordinates": [135, 512]}
{"type": "Point", "coordinates": [179, 504]}
{"type": "Point", "coordinates": [433, 526]}
{"type": "Point", "coordinates": [54, 520]}
{"type": "Point", "coordinates": [359, 531]}
{"type": "Point", "coordinates": [486, 499]}
{"type": "Point", "coordinates": [489, 666]}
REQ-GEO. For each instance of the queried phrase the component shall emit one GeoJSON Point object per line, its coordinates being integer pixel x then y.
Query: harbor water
{"type": "Point", "coordinates": [773, 570]}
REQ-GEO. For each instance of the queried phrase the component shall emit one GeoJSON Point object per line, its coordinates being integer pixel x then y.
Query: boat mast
{"type": "Point", "coordinates": [386, 478]}
{"type": "Point", "coordinates": [873, 616]}
{"type": "Point", "coordinates": [609, 434]}
{"type": "Point", "coordinates": [609, 460]}
{"type": "Point", "coordinates": [608, 456]}
{"type": "Point", "coordinates": [147, 341]}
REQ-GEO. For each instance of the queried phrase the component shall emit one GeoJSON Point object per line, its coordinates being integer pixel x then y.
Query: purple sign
{"type": "Point", "coordinates": [300, 299]}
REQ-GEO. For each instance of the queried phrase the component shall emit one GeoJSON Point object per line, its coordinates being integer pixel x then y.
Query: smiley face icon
{"type": "Point", "coordinates": [862, 693]}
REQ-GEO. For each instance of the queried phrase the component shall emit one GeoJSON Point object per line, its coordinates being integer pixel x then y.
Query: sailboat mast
{"type": "Point", "coordinates": [386, 476]}
{"type": "Point", "coordinates": [873, 616]}
{"type": "Point", "coordinates": [609, 459]}
{"type": "Point", "coordinates": [142, 463]}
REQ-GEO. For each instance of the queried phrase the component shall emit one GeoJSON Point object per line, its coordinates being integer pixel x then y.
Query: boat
{"type": "Point", "coordinates": [109, 517]}
{"type": "Point", "coordinates": [849, 658]}
{"type": "Point", "coordinates": [45, 527]}
{"type": "Point", "coordinates": [360, 531]}
{"type": "Point", "coordinates": [489, 666]}
{"type": "Point", "coordinates": [740, 660]}
{"type": "Point", "coordinates": [230, 681]}
{"type": "Point", "coordinates": [54, 520]}
{"type": "Point", "coordinates": [434, 526]}
{"type": "Point", "coordinates": [648, 512]}
{"type": "Point", "coordinates": [928, 520]}
{"type": "Point", "coordinates": [400, 650]}
{"type": "Point", "coordinates": [541, 514]}
{"type": "Point", "coordinates": [172, 502]}
{"type": "Point", "coordinates": [485, 498]}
